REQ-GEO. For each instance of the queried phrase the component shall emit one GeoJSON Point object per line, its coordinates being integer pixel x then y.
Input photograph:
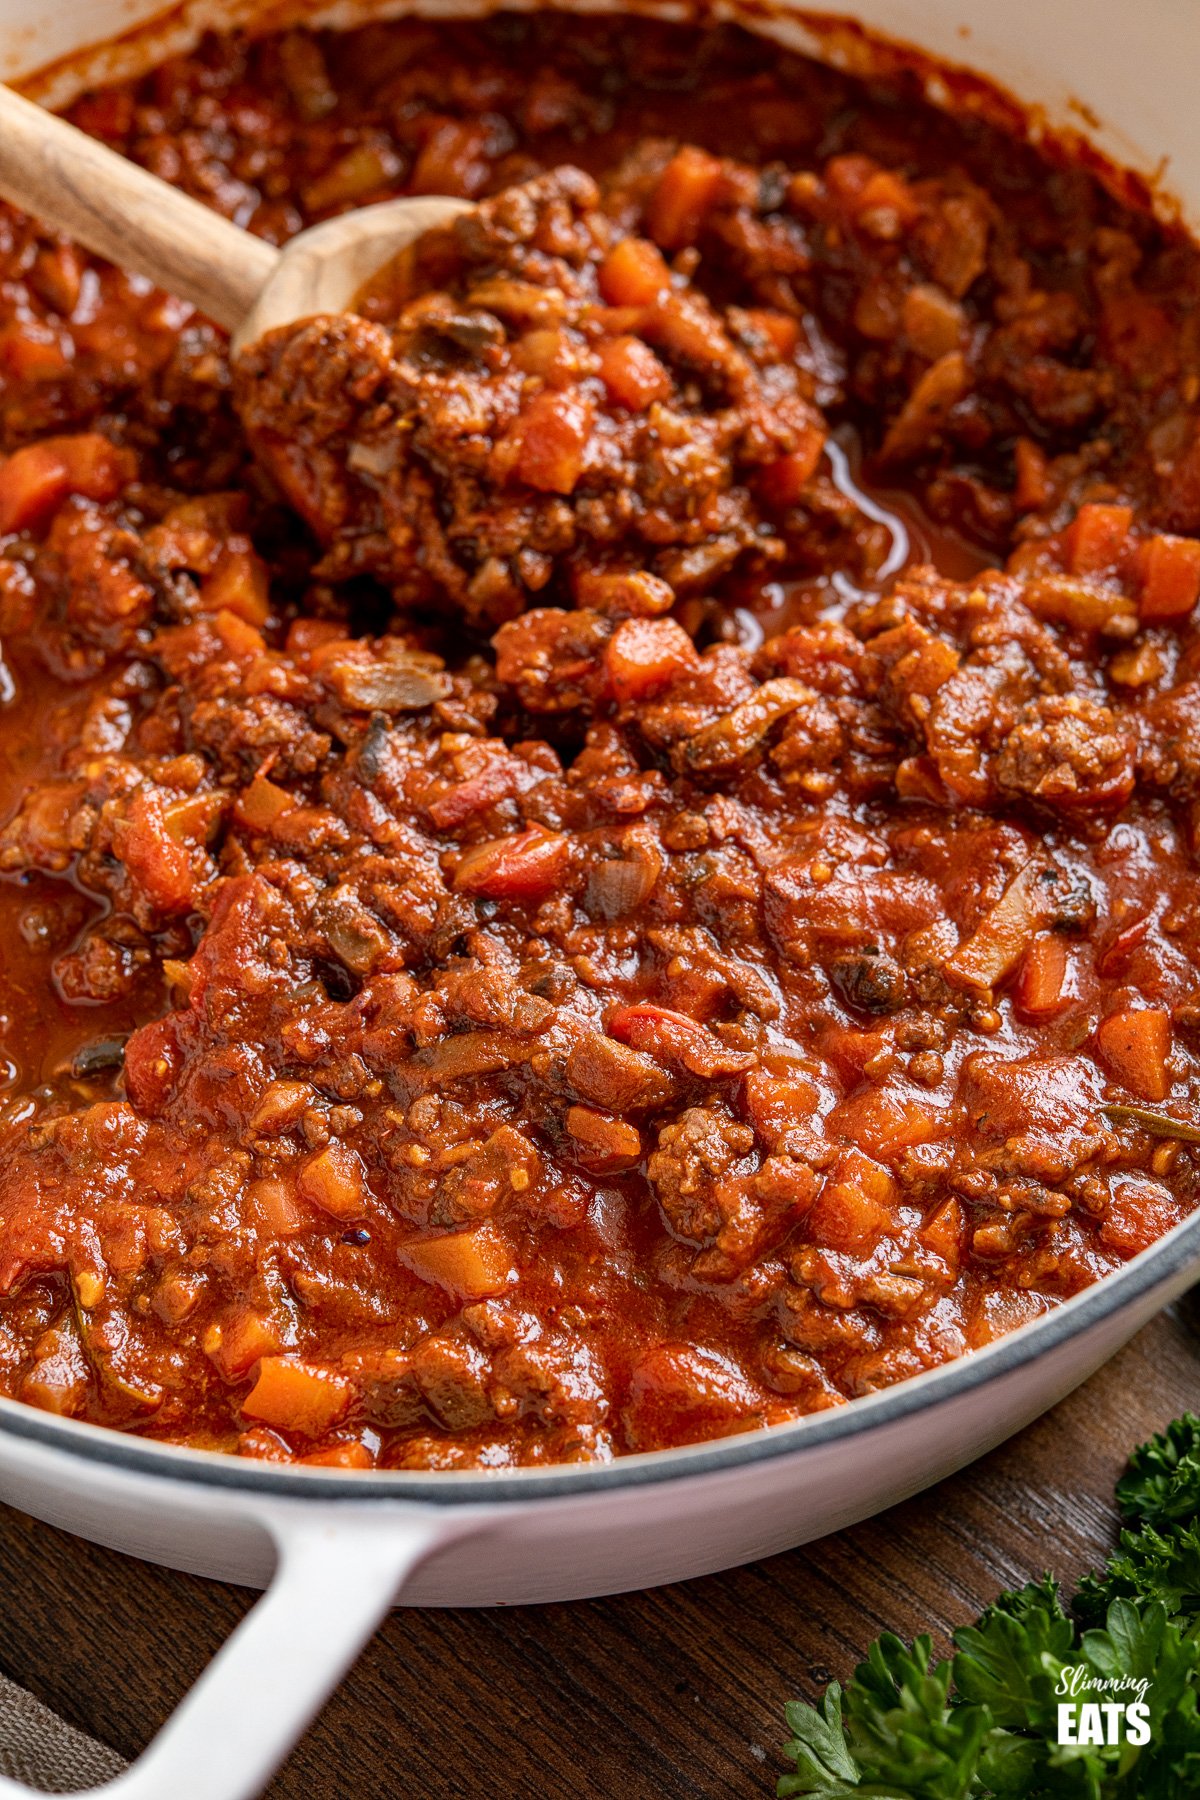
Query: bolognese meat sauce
{"type": "Point", "coordinates": [603, 852]}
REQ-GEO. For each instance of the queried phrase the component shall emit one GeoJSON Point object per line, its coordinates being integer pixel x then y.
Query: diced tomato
{"type": "Point", "coordinates": [1139, 1213]}
{"type": "Point", "coordinates": [674, 1039]}
{"type": "Point", "coordinates": [633, 273]}
{"type": "Point", "coordinates": [686, 189]}
{"type": "Point", "coordinates": [1135, 1044]}
{"type": "Point", "coordinates": [782, 483]}
{"type": "Point", "coordinates": [35, 481]}
{"type": "Point", "coordinates": [297, 1396]}
{"type": "Point", "coordinates": [157, 863]}
{"type": "Point", "coordinates": [153, 1059]}
{"type": "Point", "coordinates": [527, 866]}
{"type": "Point", "coordinates": [1115, 955]}
{"type": "Point", "coordinates": [496, 779]}
{"type": "Point", "coordinates": [1170, 577]}
{"type": "Point", "coordinates": [632, 373]}
{"type": "Point", "coordinates": [1041, 984]}
{"type": "Point", "coordinates": [681, 1394]}
{"type": "Point", "coordinates": [644, 655]}
{"type": "Point", "coordinates": [553, 434]}
{"type": "Point", "coordinates": [1096, 538]}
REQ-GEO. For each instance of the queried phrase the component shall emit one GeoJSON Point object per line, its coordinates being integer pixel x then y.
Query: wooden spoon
{"type": "Point", "coordinates": [116, 209]}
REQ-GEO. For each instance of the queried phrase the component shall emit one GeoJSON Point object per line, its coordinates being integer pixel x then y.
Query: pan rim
{"type": "Point", "coordinates": [93, 1445]}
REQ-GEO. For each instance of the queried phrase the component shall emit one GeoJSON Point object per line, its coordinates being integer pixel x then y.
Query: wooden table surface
{"type": "Point", "coordinates": [674, 1694]}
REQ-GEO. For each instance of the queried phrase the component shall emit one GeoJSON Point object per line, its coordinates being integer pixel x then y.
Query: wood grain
{"type": "Point", "coordinates": [670, 1695]}
{"type": "Point", "coordinates": [120, 211]}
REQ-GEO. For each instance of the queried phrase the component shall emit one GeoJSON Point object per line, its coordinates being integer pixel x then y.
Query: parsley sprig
{"type": "Point", "coordinates": [982, 1724]}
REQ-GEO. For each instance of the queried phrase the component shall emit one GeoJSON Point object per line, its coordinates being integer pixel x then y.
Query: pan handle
{"type": "Point", "coordinates": [338, 1572]}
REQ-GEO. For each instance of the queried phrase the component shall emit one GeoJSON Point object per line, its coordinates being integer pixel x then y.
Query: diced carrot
{"type": "Point", "coordinates": [884, 1123]}
{"type": "Point", "coordinates": [684, 193]}
{"type": "Point", "coordinates": [1032, 486]}
{"type": "Point", "coordinates": [239, 584]}
{"type": "Point", "coordinates": [527, 866]}
{"type": "Point", "coordinates": [1096, 538]}
{"type": "Point", "coordinates": [847, 176]}
{"type": "Point", "coordinates": [157, 863]}
{"type": "Point", "coordinates": [633, 273]}
{"type": "Point", "coordinates": [35, 481]}
{"type": "Point", "coordinates": [632, 373]}
{"type": "Point", "coordinates": [277, 1206]}
{"type": "Point", "coordinates": [629, 593]}
{"type": "Point", "coordinates": [1170, 577]}
{"type": "Point", "coordinates": [644, 655]}
{"type": "Point", "coordinates": [777, 1102]}
{"type": "Point", "coordinates": [472, 1265]}
{"type": "Point", "coordinates": [239, 1340]}
{"type": "Point", "coordinates": [885, 192]}
{"type": "Point", "coordinates": [348, 1455]}
{"type": "Point", "coordinates": [854, 1209]}
{"type": "Point", "coordinates": [243, 641]}
{"type": "Point", "coordinates": [782, 483]}
{"type": "Point", "coordinates": [553, 433]}
{"type": "Point", "coordinates": [1042, 981]}
{"type": "Point", "coordinates": [781, 328]}
{"type": "Point", "coordinates": [32, 354]}
{"type": "Point", "coordinates": [306, 637]}
{"type": "Point", "coordinates": [336, 1181]}
{"type": "Point", "coordinates": [1135, 1044]}
{"type": "Point", "coordinates": [297, 1396]}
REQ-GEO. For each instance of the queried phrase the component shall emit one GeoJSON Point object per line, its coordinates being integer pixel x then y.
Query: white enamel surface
{"type": "Point", "coordinates": [341, 1558]}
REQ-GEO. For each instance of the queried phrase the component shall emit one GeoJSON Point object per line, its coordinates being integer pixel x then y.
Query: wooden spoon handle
{"type": "Point", "coordinates": [111, 206]}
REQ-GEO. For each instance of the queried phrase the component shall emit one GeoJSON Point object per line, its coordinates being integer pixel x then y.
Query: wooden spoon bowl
{"type": "Point", "coordinates": [118, 210]}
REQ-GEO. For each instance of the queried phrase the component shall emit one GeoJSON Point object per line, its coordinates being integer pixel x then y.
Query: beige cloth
{"type": "Point", "coordinates": [42, 1750]}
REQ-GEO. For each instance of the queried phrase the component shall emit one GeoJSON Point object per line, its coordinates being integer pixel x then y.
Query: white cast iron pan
{"type": "Point", "coordinates": [339, 1549]}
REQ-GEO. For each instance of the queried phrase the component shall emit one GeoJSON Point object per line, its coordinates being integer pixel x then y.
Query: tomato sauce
{"type": "Point", "coordinates": [601, 852]}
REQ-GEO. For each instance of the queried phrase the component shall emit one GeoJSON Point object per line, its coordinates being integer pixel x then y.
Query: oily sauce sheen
{"type": "Point", "coordinates": [604, 853]}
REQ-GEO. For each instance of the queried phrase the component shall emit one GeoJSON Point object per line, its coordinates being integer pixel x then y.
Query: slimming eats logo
{"type": "Point", "coordinates": [1102, 1709]}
